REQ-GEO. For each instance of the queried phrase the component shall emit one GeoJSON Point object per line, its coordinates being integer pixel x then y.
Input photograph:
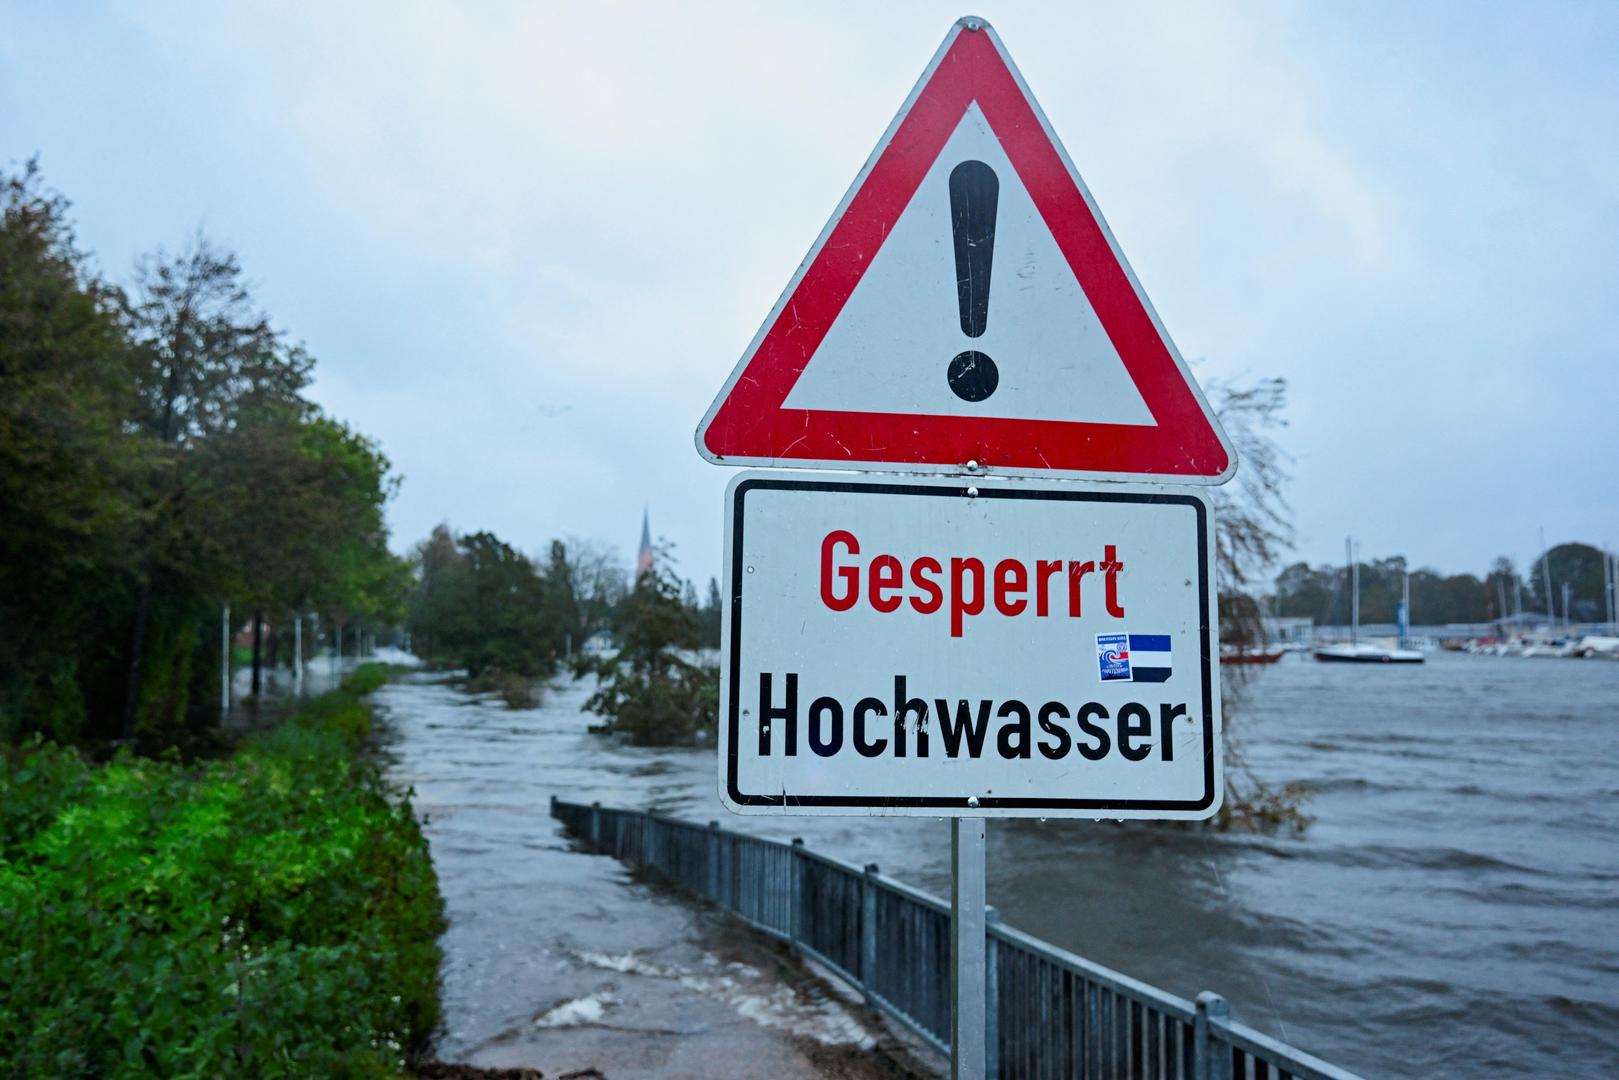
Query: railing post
{"type": "Point", "coordinates": [992, 994]}
{"type": "Point", "coordinates": [1210, 1057]}
{"type": "Point", "coordinates": [868, 934]}
{"type": "Point", "coordinates": [714, 861]}
{"type": "Point", "coordinates": [596, 825]}
{"type": "Point", "coordinates": [794, 890]}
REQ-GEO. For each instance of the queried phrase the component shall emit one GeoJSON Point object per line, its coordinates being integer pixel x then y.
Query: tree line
{"type": "Point", "coordinates": [159, 460]}
{"type": "Point", "coordinates": [480, 604]}
{"type": "Point", "coordinates": [509, 620]}
{"type": "Point", "coordinates": [1320, 592]}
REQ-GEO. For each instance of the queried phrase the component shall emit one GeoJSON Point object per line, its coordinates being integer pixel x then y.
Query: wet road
{"type": "Point", "coordinates": [1454, 910]}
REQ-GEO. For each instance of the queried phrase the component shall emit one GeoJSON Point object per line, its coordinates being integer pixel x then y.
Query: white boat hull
{"type": "Point", "coordinates": [1367, 654]}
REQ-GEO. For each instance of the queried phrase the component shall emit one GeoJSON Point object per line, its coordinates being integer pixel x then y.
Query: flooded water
{"type": "Point", "coordinates": [1453, 910]}
{"type": "Point", "coordinates": [565, 961]}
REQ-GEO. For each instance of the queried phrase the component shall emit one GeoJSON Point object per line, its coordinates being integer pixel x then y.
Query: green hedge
{"type": "Point", "coordinates": [366, 678]}
{"type": "Point", "coordinates": [274, 914]}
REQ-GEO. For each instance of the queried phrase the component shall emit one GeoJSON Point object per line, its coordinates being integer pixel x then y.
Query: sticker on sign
{"type": "Point", "coordinates": [940, 647]}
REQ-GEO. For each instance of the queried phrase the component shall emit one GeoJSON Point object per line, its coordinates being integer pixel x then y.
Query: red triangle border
{"type": "Point", "coordinates": [750, 426]}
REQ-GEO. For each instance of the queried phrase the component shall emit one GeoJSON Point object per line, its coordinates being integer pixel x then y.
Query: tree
{"type": "Point", "coordinates": [209, 355]}
{"type": "Point", "coordinates": [563, 589]}
{"type": "Point", "coordinates": [484, 606]}
{"type": "Point", "coordinates": [1580, 567]}
{"type": "Point", "coordinates": [479, 604]}
{"type": "Point", "coordinates": [600, 583]}
{"type": "Point", "coordinates": [1436, 598]}
{"type": "Point", "coordinates": [1250, 513]}
{"type": "Point", "coordinates": [439, 568]}
{"type": "Point", "coordinates": [346, 570]}
{"type": "Point", "coordinates": [157, 459]}
{"type": "Point", "coordinates": [1302, 592]}
{"type": "Point", "coordinates": [67, 463]}
{"type": "Point", "coordinates": [207, 359]}
{"type": "Point", "coordinates": [1503, 587]}
{"type": "Point", "coordinates": [653, 690]}
{"type": "Point", "coordinates": [1251, 528]}
{"type": "Point", "coordinates": [711, 615]}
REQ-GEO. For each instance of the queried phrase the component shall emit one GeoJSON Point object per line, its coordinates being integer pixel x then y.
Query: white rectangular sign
{"type": "Point", "coordinates": [951, 647]}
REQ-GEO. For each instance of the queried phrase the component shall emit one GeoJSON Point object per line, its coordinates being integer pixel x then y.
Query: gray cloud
{"type": "Point", "coordinates": [527, 244]}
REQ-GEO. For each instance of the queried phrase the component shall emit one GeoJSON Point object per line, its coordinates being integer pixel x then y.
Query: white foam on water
{"type": "Point", "coordinates": [824, 1021]}
{"type": "Point", "coordinates": [578, 1012]}
{"type": "Point", "coordinates": [626, 964]}
{"type": "Point", "coordinates": [745, 988]}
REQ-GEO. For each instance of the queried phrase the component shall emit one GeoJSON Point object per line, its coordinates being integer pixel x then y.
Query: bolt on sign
{"type": "Point", "coordinates": [1024, 624]}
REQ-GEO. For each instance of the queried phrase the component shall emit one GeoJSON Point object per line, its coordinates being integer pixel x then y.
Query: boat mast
{"type": "Point", "coordinates": [1546, 574]}
{"type": "Point", "coordinates": [1354, 590]}
{"type": "Point", "coordinates": [1405, 608]}
{"type": "Point", "coordinates": [1607, 585]}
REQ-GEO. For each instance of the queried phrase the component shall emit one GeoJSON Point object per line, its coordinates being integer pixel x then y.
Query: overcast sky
{"type": "Point", "coordinates": [528, 242]}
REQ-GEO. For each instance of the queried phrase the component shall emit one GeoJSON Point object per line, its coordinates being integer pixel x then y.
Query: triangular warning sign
{"type": "Point", "coordinates": [967, 303]}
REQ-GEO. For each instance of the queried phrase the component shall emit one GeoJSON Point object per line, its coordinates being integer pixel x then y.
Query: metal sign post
{"type": "Point", "coordinates": [968, 1050]}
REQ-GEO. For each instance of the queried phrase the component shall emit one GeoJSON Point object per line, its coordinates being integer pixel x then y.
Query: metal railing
{"type": "Point", "coordinates": [1050, 1013]}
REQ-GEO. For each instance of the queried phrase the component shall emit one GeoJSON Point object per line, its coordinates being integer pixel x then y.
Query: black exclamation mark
{"type": "Point", "coordinates": [974, 191]}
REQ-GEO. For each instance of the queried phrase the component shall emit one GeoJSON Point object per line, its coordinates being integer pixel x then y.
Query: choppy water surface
{"type": "Point", "coordinates": [1454, 910]}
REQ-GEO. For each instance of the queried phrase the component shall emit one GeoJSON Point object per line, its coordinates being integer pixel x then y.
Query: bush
{"type": "Point", "coordinates": [366, 678]}
{"type": "Point", "coordinates": [670, 702]}
{"type": "Point", "coordinates": [339, 715]}
{"type": "Point", "coordinates": [274, 914]}
{"type": "Point", "coordinates": [517, 691]}
{"type": "Point", "coordinates": [656, 690]}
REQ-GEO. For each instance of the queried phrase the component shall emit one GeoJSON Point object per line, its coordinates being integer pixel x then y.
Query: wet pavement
{"type": "Point", "coordinates": [565, 961]}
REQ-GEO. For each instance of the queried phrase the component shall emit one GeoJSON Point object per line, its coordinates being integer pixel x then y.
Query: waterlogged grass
{"type": "Point", "coordinates": [367, 677]}
{"type": "Point", "coordinates": [273, 914]}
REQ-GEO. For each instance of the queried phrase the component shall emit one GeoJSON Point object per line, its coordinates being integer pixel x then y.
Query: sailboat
{"type": "Point", "coordinates": [1356, 653]}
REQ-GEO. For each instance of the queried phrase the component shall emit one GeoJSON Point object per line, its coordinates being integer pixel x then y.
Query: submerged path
{"type": "Point", "coordinates": [564, 961]}
{"type": "Point", "coordinates": [1449, 913]}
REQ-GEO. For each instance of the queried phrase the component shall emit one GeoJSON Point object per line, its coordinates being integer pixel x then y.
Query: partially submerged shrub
{"type": "Point", "coordinates": [656, 688]}
{"type": "Point", "coordinates": [366, 678]}
{"type": "Point", "coordinates": [674, 701]}
{"type": "Point", "coordinates": [517, 691]}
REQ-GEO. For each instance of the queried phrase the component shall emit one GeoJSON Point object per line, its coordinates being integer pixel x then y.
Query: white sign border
{"type": "Point", "coordinates": [729, 720]}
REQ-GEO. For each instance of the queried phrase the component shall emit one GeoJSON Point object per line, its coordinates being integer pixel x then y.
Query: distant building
{"type": "Point", "coordinates": [643, 561]}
